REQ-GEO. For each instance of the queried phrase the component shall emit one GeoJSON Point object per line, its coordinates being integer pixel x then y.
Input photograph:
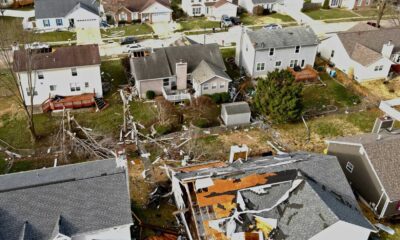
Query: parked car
{"type": "Point", "coordinates": [131, 47]}
{"type": "Point", "coordinates": [128, 40]}
{"type": "Point", "coordinates": [36, 45]}
{"type": "Point", "coordinates": [226, 21]}
{"type": "Point", "coordinates": [235, 20]}
{"type": "Point", "coordinates": [272, 26]}
{"type": "Point", "coordinates": [373, 24]}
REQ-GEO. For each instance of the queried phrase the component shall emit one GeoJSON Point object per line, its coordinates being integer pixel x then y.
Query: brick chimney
{"type": "Point", "coordinates": [387, 49]}
{"type": "Point", "coordinates": [181, 75]}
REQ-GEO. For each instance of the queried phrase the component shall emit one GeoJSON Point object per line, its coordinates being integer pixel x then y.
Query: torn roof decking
{"type": "Point", "coordinates": [201, 166]}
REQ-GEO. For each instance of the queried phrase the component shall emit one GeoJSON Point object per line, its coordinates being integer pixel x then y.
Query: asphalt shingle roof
{"type": "Point", "coordinates": [69, 199]}
{"type": "Point", "coordinates": [384, 156]}
{"type": "Point", "coordinates": [365, 46]}
{"type": "Point", "coordinates": [282, 38]}
{"type": "Point", "coordinates": [131, 5]}
{"type": "Point", "coordinates": [61, 8]}
{"type": "Point", "coordinates": [205, 71]}
{"type": "Point", "coordinates": [162, 62]}
{"type": "Point", "coordinates": [236, 108]}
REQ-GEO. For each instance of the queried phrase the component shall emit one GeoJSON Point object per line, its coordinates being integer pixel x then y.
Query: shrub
{"type": "Point", "coordinates": [216, 97]}
{"type": "Point", "coordinates": [150, 94]}
{"type": "Point", "coordinates": [258, 10]}
{"type": "Point", "coordinates": [201, 123]}
{"type": "Point", "coordinates": [309, 6]}
{"type": "Point", "coordinates": [219, 98]}
{"type": "Point", "coordinates": [326, 4]}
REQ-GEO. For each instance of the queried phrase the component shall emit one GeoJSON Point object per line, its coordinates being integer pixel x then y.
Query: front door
{"type": "Point", "coordinates": [71, 23]}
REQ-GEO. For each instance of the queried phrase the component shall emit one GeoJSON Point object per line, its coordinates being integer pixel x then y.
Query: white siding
{"type": "Point", "coordinates": [221, 85]}
{"type": "Point", "coordinates": [247, 52]}
{"type": "Point", "coordinates": [343, 231]}
{"type": "Point", "coordinates": [159, 12]}
{"type": "Point", "coordinates": [84, 18]}
{"type": "Point", "coordinates": [226, 9]}
{"type": "Point", "coordinates": [247, 4]}
{"type": "Point", "coordinates": [235, 119]}
{"type": "Point", "coordinates": [62, 79]}
{"type": "Point", "coordinates": [52, 22]}
{"type": "Point", "coordinates": [117, 233]}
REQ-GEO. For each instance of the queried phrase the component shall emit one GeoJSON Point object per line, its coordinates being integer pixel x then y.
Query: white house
{"type": "Point", "coordinates": [249, 5]}
{"type": "Point", "coordinates": [263, 51]}
{"type": "Point", "coordinates": [51, 15]}
{"type": "Point", "coordinates": [210, 8]}
{"type": "Point", "coordinates": [349, 4]}
{"type": "Point", "coordinates": [152, 11]}
{"type": "Point", "coordinates": [83, 201]}
{"type": "Point", "coordinates": [236, 113]}
{"type": "Point", "coordinates": [66, 71]}
{"type": "Point", "coordinates": [362, 52]}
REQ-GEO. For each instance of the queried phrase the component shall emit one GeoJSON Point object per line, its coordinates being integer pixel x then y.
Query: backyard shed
{"type": "Point", "coordinates": [235, 113]}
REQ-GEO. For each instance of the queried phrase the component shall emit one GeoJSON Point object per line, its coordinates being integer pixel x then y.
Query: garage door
{"type": "Point", "coordinates": [161, 17]}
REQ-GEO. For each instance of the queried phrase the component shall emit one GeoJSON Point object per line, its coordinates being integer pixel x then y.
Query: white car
{"type": "Point", "coordinates": [130, 47]}
{"type": "Point", "coordinates": [272, 26]}
{"type": "Point", "coordinates": [36, 45]}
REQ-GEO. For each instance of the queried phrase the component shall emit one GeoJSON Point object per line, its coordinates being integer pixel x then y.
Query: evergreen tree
{"type": "Point", "coordinates": [279, 97]}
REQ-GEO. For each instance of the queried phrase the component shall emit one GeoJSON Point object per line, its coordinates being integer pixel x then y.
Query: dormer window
{"type": "Point", "coordinates": [74, 72]}
{"type": "Point", "coordinates": [271, 51]}
{"type": "Point", "coordinates": [40, 75]}
{"type": "Point", "coordinates": [297, 49]}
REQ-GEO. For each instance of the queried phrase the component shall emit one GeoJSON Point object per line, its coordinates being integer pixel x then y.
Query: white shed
{"type": "Point", "coordinates": [236, 113]}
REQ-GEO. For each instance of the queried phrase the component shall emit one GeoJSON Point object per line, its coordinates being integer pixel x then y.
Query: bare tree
{"type": "Point", "coordinates": [387, 7]}
{"type": "Point", "coordinates": [12, 34]}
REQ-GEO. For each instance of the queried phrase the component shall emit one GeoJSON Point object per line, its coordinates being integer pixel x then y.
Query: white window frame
{"type": "Point", "coordinates": [349, 167]}
{"type": "Point", "coordinates": [260, 66]}
{"type": "Point", "coordinates": [205, 86]}
{"type": "Point", "coordinates": [46, 22]}
{"type": "Point", "coordinates": [278, 63]}
{"type": "Point", "coordinates": [74, 72]}
{"type": "Point", "coordinates": [398, 58]}
{"type": "Point", "coordinates": [214, 85]}
{"type": "Point", "coordinates": [302, 63]}
{"type": "Point", "coordinates": [196, 10]}
{"type": "Point", "coordinates": [74, 87]}
{"type": "Point", "coordinates": [59, 22]}
{"type": "Point", "coordinates": [87, 84]}
{"type": "Point", "coordinates": [332, 53]}
{"type": "Point", "coordinates": [297, 49]}
{"type": "Point", "coordinates": [166, 82]}
{"type": "Point", "coordinates": [221, 84]}
{"type": "Point", "coordinates": [293, 63]}
{"type": "Point", "coordinates": [28, 93]}
{"type": "Point", "coordinates": [380, 67]}
{"type": "Point", "coordinates": [53, 88]}
{"type": "Point", "coordinates": [272, 51]}
{"type": "Point", "coordinates": [40, 75]}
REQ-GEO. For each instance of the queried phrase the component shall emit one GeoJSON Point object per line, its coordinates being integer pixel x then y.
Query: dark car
{"type": "Point", "coordinates": [128, 40]}
{"type": "Point", "coordinates": [374, 24]}
{"type": "Point", "coordinates": [236, 20]}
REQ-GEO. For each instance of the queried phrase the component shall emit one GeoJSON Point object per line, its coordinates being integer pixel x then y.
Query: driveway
{"type": "Point", "coordinates": [164, 29]}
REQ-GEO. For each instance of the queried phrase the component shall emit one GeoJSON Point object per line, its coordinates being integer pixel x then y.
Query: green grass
{"type": "Point", "coordinates": [327, 129]}
{"type": "Point", "coordinates": [333, 93]}
{"type": "Point", "coordinates": [128, 30]}
{"type": "Point", "coordinates": [249, 19]}
{"type": "Point", "coordinates": [333, 13]}
{"type": "Point", "coordinates": [144, 113]}
{"type": "Point", "coordinates": [368, 12]}
{"type": "Point", "coordinates": [231, 68]}
{"type": "Point", "coordinates": [55, 36]}
{"type": "Point", "coordinates": [197, 23]}
{"type": "Point", "coordinates": [114, 72]}
{"type": "Point", "coordinates": [364, 120]}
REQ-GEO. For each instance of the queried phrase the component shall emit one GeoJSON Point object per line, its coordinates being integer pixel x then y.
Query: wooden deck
{"type": "Point", "coordinates": [72, 102]}
{"type": "Point", "coordinates": [307, 74]}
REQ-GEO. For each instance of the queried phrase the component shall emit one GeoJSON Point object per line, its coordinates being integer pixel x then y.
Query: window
{"type": "Point", "coordinates": [302, 63]}
{"type": "Point", "coordinates": [359, 3]}
{"type": "Point", "coordinates": [53, 87]}
{"type": "Point", "coordinates": [398, 59]}
{"type": "Point", "coordinates": [278, 64]}
{"type": "Point", "coordinates": [297, 49]}
{"type": "Point", "coordinates": [367, 2]}
{"type": "Point", "coordinates": [28, 92]}
{"type": "Point", "coordinates": [74, 87]}
{"type": "Point", "coordinates": [74, 72]}
{"type": "Point", "coordinates": [214, 86]}
{"type": "Point", "coordinates": [59, 22]}
{"type": "Point", "coordinates": [293, 63]}
{"type": "Point", "coordinates": [46, 23]}
{"type": "Point", "coordinates": [40, 75]}
{"type": "Point", "coordinates": [205, 86]}
{"type": "Point", "coordinates": [349, 167]}
{"type": "Point", "coordinates": [166, 82]}
{"type": "Point", "coordinates": [86, 84]}
{"type": "Point", "coordinates": [221, 84]}
{"type": "Point", "coordinates": [376, 68]}
{"type": "Point", "coordinates": [333, 53]}
{"type": "Point", "coordinates": [123, 17]}
{"type": "Point", "coordinates": [196, 11]}
{"type": "Point", "coordinates": [380, 67]}
{"type": "Point", "coordinates": [260, 67]}
{"type": "Point", "coordinates": [271, 51]}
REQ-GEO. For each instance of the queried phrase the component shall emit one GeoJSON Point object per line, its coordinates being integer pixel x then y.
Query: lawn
{"type": "Point", "coordinates": [55, 36]}
{"type": "Point", "coordinates": [368, 12]}
{"type": "Point", "coordinates": [197, 23]}
{"type": "Point", "coordinates": [231, 68]}
{"type": "Point", "coordinates": [127, 30]}
{"type": "Point", "coordinates": [333, 13]}
{"type": "Point", "coordinates": [248, 19]}
{"type": "Point", "coordinates": [318, 96]}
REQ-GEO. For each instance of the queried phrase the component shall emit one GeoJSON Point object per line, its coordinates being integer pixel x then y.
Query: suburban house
{"type": "Point", "coordinates": [174, 71]}
{"type": "Point", "coordinates": [74, 202]}
{"type": "Point", "coordinates": [59, 73]}
{"type": "Point", "coordinates": [370, 162]}
{"type": "Point", "coordinates": [263, 51]}
{"type": "Point", "coordinates": [138, 10]}
{"type": "Point", "coordinates": [14, 3]}
{"type": "Point", "coordinates": [363, 52]}
{"type": "Point", "coordinates": [64, 14]}
{"type": "Point", "coordinates": [236, 113]}
{"type": "Point", "coordinates": [296, 196]}
{"type": "Point", "coordinates": [210, 8]}
{"type": "Point", "coordinates": [349, 4]}
{"type": "Point", "coordinates": [270, 5]}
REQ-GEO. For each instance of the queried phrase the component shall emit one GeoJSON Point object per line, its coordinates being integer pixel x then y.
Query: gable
{"type": "Point", "coordinates": [215, 78]}
{"type": "Point", "coordinates": [156, 7]}
{"type": "Point", "coordinates": [82, 13]}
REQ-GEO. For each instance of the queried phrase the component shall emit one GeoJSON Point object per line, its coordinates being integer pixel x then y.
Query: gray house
{"type": "Point", "coordinates": [371, 164]}
{"type": "Point", "coordinates": [79, 201]}
{"type": "Point", "coordinates": [296, 196]}
{"type": "Point", "coordinates": [236, 113]}
{"type": "Point", "coordinates": [263, 50]}
{"type": "Point", "coordinates": [172, 71]}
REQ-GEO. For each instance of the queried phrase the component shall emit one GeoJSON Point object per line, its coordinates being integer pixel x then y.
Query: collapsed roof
{"type": "Point", "coordinates": [272, 195]}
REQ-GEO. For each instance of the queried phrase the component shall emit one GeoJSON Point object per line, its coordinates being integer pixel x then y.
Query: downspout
{"type": "Point", "coordinates": [384, 207]}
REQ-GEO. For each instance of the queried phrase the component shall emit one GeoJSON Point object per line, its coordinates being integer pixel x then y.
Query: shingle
{"type": "Point", "coordinates": [82, 198]}
{"type": "Point", "coordinates": [236, 108]}
{"type": "Point", "coordinates": [131, 5]}
{"type": "Point", "coordinates": [383, 151]}
{"type": "Point", "coordinates": [60, 8]}
{"type": "Point", "coordinates": [282, 38]}
{"type": "Point", "coordinates": [205, 71]}
{"type": "Point", "coordinates": [63, 57]}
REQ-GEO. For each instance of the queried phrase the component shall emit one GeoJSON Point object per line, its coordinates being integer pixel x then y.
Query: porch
{"type": "Point", "coordinates": [73, 102]}
{"type": "Point", "coordinates": [307, 74]}
{"type": "Point", "coordinates": [176, 95]}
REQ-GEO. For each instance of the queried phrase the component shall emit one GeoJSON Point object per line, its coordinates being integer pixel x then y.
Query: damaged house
{"type": "Point", "coordinates": [177, 72]}
{"type": "Point", "coordinates": [292, 196]}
